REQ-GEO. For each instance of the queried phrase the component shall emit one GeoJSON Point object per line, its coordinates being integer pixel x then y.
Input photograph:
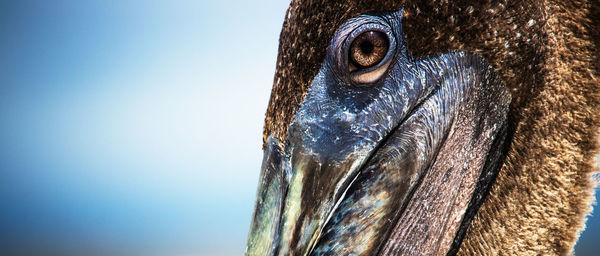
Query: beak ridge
{"type": "Point", "coordinates": [270, 196]}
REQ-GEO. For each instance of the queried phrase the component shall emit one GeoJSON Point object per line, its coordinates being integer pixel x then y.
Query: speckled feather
{"type": "Point", "coordinates": [546, 52]}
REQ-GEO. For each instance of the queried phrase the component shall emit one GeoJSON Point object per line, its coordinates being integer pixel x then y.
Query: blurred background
{"type": "Point", "coordinates": [134, 127]}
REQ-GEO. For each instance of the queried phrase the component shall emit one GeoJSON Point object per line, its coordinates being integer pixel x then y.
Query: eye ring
{"type": "Point", "coordinates": [368, 51]}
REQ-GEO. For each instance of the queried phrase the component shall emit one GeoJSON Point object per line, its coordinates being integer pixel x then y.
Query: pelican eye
{"type": "Point", "coordinates": [367, 50]}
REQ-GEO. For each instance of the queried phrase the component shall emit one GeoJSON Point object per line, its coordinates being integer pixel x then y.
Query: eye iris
{"type": "Point", "coordinates": [368, 49]}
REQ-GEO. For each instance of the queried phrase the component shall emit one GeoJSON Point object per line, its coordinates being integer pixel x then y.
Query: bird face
{"type": "Point", "coordinates": [387, 153]}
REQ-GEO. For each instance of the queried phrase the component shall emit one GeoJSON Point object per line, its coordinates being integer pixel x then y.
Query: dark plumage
{"type": "Point", "coordinates": [545, 52]}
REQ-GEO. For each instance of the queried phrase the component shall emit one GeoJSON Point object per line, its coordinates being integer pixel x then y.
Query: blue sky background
{"type": "Point", "coordinates": [134, 127]}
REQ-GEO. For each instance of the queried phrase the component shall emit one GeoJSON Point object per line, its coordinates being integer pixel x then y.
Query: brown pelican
{"type": "Point", "coordinates": [430, 128]}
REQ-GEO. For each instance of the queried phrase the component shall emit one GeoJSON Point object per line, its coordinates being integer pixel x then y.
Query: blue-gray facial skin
{"type": "Point", "coordinates": [365, 141]}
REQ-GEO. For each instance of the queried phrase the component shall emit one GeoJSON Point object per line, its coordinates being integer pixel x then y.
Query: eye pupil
{"type": "Point", "coordinates": [368, 49]}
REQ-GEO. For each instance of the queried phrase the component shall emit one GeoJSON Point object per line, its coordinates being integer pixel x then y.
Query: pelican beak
{"type": "Point", "coordinates": [396, 164]}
